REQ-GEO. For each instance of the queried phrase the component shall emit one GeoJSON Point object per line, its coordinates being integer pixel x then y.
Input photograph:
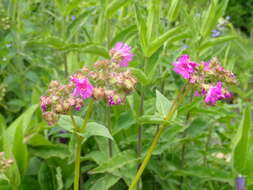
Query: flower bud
{"type": "Point", "coordinates": [85, 70]}
{"type": "Point", "coordinates": [59, 108]}
{"type": "Point", "coordinates": [54, 84]}
{"type": "Point", "coordinates": [51, 117]}
{"type": "Point", "coordinates": [114, 100]}
{"type": "Point", "coordinates": [98, 93]}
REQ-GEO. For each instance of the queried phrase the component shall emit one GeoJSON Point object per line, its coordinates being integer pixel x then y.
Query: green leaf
{"type": "Point", "coordinates": [96, 50]}
{"type": "Point", "coordinates": [38, 140]}
{"type": "Point", "coordinates": [59, 178]}
{"type": "Point", "coordinates": [211, 17]}
{"type": "Point", "coordinates": [174, 8]}
{"type": "Point", "coordinates": [60, 5]}
{"type": "Point", "coordinates": [142, 29]}
{"type": "Point", "coordinates": [45, 177]}
{"type": "Point", "coordinates": [46, 152]}
{"type": "Point", "coordinates": [116, 162]}
{"type": "Point", "coordinates": [70, 6]}
{"type": "Point", "coordinates": [77, 24]}
{"type": "Point", "coordinates": [20, 150]}
{"type": "Point", "coordinates": [208, 173]}
{"type": "Point", "coordinates": [96, 129]}
{"type": "Point", "coordinates": [4, 185]}
{"type": "Point", "coordinates": [105, 182]}
{"type": "Point", "coordinates": [93, 128]}
{"type": "Point", "coordinates": [152, 119]}
{"type": "Point", "coordinates": [241, 141]}
{"type": "Point", "coordinates": [140, 75]}
{"type": "Point", "coordinates": [162, 104]}
{"type": "Point", "coordinates": [114, 6]}
{"type": "Point", "coordinates": [216, 41]}
{"type": "Point", "coordinates": [158, 42]}
{"type": "Point", "coordinates": [153, 19]}
{"type": "Point", "coordinates": [125, 34]}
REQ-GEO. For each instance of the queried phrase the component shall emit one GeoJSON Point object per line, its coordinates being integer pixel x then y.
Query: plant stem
{"type": "Point", "coordinates": [108, 119]}
{"type": "Point", "coordinates": [77, 154]}
{"type": "Point", "coordinates": [184, 146]}
{"type": "Point", "coordinates": [209, 137]}
{"type": "Point", "coordinates": [155, 141]}
{"type": "Point", "coordinates": [139, 145]}
{"type": "Point", "coordinates": [79, 142]}
{"type": "Point", "coordinates": [77, 162]}
{"type": "Point", "coordinates": [139, 136]}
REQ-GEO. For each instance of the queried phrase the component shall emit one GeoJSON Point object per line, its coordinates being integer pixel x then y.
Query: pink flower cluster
{"type": "Point", "coordinates": [216, 93]}
{"type": "Point", "coordinates": [208, 77]}
{"type": "Point", "coordinates": [107, 80]}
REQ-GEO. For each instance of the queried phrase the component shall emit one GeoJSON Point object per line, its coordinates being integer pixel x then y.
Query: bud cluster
{"type": "Point", "coordinates": [4, 163]}
{"type": "Point", "coordinates": [107, 80]}
{"type": "Point", "coordinates": [112, 82]}
{"type": "Point", "coordinates": [208, 77]}
{"type": "Point", "coordinates": [59, 100]}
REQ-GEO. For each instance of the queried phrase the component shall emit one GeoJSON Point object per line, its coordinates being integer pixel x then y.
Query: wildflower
{"type": "Point", "coordinates": [184, 47]}
{"type": "Point", "coordinates": [121, 54]}
{"type": "Point", "coordinates": [83, 88]}
{"type": "Point", "coordinates": [240, 183]}
{"type": "Point", "coordinates": [73, 17]}
{"type": "Point", "coordinates": [216, 33]}
{"type": "Point", "coordinates": [114, 100]}
{"type": "Point", "coordinates": [214, 94]}
{"type": "Point", "coordinates": [184, 66]}
{"type": "Point", "coordinates": [44, 102]}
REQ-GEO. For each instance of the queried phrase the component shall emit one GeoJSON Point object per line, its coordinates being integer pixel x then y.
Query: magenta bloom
{"type": "Point", "coordinates": [83, 89]}
{"type": "Point", "coordinates": [114, 100]}
{"type": "Point", "coordinates": [121, 53]}
{"type": "Point", "coordinates": [184, 66]}
{"type": "Point", "coordinates": [206, 66]}
{"type": "Point", "coordinates": [44, 101]}
{"type": "Point", "coordinates": [214, 94]}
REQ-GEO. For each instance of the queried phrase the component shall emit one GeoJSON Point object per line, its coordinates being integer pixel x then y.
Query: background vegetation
{"type": "Point", "coordinates": [204, 147]}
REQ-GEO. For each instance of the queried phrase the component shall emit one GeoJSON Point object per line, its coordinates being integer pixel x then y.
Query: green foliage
{"type": "Point", "coordinates": [49, 40]}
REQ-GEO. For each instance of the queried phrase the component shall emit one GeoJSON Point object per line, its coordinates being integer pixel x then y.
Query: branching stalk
{"type": "Point", "coordinates": [79, 140]}
{"type": "Point", "coordinates": [155, 141]}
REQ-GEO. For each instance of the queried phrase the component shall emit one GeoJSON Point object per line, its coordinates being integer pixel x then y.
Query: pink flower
{"type": "Point", "coordinates": [214, 94]}
{"type": "Point", "coordinates": [44, 101]}
{"type": "Point", "coordinates": [114, 100]}
{"type": "Point", "coordinates": [121, 53]}
{"type": "Point", "coordinates": [184, 66]}
{"type": "Point", "coordinates": [206, 66]}
{"type": "Point", "coordinates": [83, 89]}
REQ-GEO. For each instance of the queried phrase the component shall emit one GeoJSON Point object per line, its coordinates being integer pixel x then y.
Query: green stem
{"type": "Point", "coordinates": [77, 162]}
{"type": "Point", "coordinates": [79, 142]}
{"type": "Point", "coordinates": [87, 116]}
{"type": "Point", "coordinates": [209, 137]}
{"type": "Point", "coordinates": [140, 130]}
{"type": "Point", "coordinates": [155, 141]}
{"type": "Point", "coordinates": [108, 120]}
